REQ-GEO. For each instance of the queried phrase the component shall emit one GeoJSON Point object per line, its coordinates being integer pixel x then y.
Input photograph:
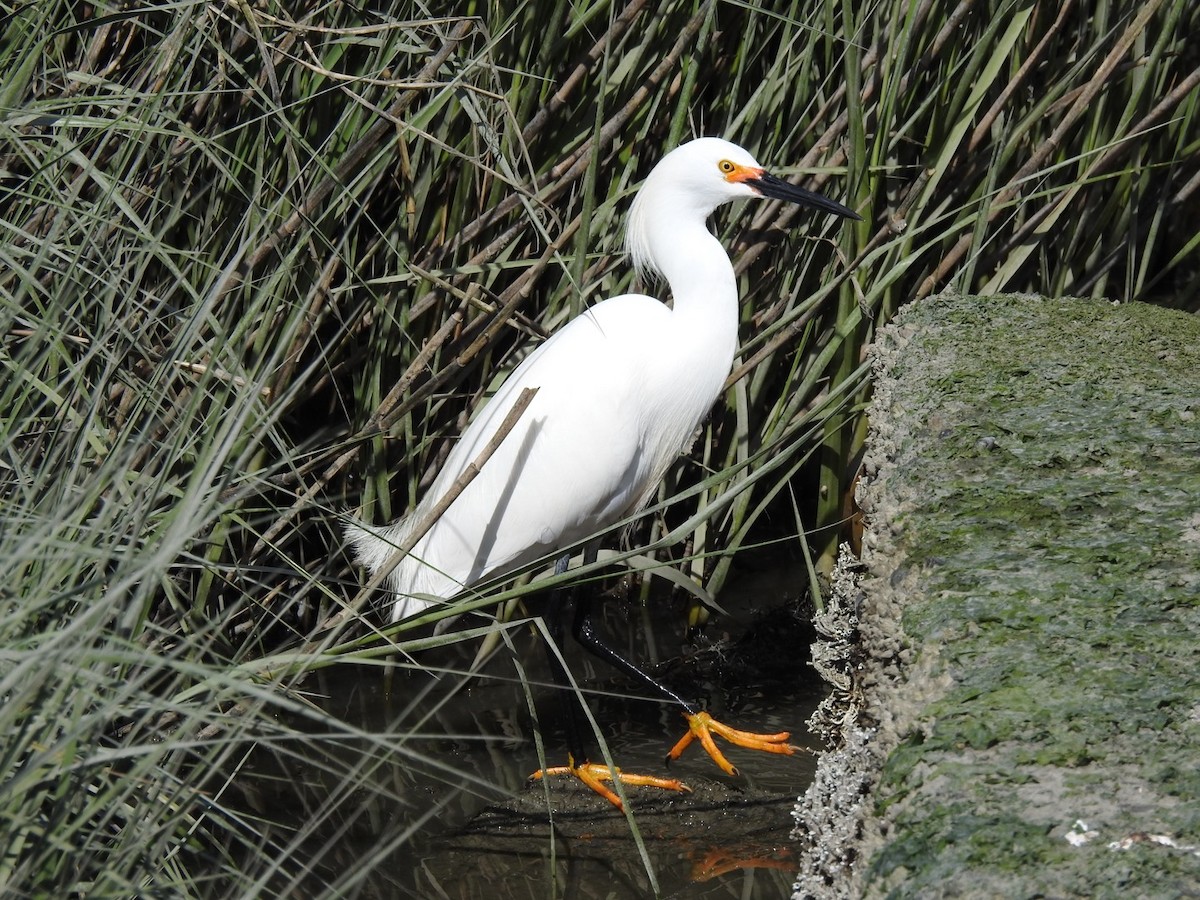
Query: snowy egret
{"type": "Point", "coordinates": [620, 391]}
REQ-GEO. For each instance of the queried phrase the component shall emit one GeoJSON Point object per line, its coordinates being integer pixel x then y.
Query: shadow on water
{"type": "Point", "coordinates": [440, 804]}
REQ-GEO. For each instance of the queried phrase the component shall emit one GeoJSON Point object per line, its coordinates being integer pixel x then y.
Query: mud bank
{"type": "Point", "coordinates": [1017, 662]}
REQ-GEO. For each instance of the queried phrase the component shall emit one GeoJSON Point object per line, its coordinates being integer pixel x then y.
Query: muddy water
{"type": "Point", "coordinates": [450, 813]}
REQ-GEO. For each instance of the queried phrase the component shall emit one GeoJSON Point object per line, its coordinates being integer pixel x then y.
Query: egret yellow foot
{"type": "Point", "coordinates": [702, 726]}
{"type": "Point", "coordinates": [595, 774]}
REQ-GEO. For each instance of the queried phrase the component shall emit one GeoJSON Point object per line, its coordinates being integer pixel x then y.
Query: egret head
{"type": "Point", "coordinates": [693, 180]}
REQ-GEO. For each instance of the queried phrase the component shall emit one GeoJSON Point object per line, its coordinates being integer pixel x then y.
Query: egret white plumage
{"type": "Point", "coordinates": [621, 389]}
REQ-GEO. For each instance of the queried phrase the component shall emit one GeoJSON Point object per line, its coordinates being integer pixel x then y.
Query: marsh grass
{"type": "Point", "coordinates": [259, 263]}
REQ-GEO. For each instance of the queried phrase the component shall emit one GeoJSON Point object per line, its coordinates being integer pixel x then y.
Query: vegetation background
{"type": "Point", "coordinates": [259, 261]}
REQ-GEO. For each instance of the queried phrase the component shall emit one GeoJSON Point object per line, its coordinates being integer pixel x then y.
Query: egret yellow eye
{"type": "Point", "coordinates": [726, 166]}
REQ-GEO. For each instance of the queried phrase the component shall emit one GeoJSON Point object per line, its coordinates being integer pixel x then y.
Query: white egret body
{"type": "Point", "coordinates": [621, 389]}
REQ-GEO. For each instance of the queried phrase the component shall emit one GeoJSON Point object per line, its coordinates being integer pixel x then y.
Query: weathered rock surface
{"type": "Point", "coordinates": [1019, 697]}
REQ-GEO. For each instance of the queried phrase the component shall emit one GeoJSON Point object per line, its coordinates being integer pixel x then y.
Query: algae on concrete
{"type": "Point", "coordinates": [1027, 718]}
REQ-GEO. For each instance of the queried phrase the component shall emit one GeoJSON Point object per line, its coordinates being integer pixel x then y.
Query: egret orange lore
{"type": "Point", "coordinates": [620, 390]}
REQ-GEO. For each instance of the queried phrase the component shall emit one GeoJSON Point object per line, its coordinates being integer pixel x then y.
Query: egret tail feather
{"type": "Point", "coordinates": [374, 548]}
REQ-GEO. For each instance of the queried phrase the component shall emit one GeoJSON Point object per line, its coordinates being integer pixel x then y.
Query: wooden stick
{"type": "Point", "coordinates": [353, 608]}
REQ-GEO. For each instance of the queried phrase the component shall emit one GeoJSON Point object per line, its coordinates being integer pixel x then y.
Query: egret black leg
{"type": "Point", "coordinates": [570, 605]}
{"type": "Point", "coordinates": [562, 609]}
{"type": "Point", "coordinates": [587, 633]}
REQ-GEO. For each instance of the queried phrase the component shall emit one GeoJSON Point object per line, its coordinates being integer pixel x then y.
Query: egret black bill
{"type": "Point", "coordinates": [778, 189]}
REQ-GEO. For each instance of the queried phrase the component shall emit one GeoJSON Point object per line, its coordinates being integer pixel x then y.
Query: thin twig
{"type": "Point", "coordinates": [352, 609]}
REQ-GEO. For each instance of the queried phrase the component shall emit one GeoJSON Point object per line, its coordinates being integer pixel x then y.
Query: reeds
{"type": "Point", "coordinates": [259, 262]}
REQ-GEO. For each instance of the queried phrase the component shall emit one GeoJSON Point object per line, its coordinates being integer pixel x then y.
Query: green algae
{"type": "Point", "coordinates": [1046, 503]}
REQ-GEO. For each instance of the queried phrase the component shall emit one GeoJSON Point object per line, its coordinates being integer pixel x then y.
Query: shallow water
{"type": "Point", "coordinates": [450, 813]}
